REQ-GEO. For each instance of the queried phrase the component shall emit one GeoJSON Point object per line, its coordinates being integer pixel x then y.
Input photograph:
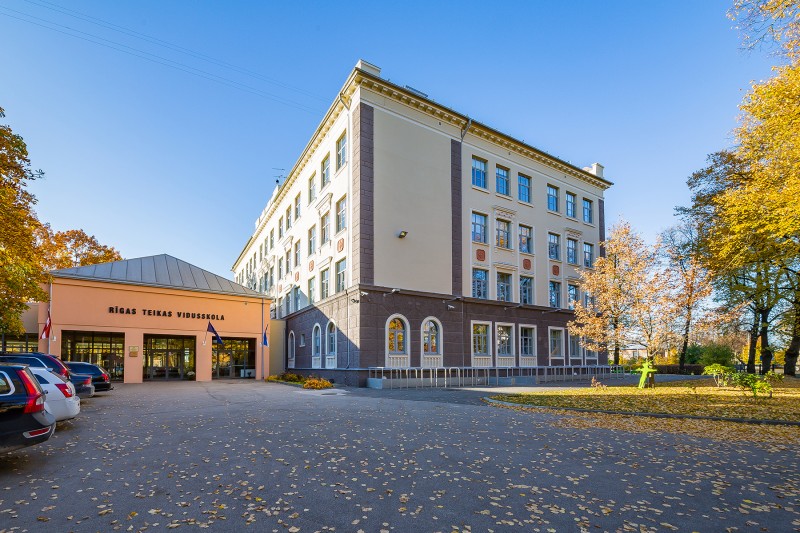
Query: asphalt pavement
{"type": "Point", "coordinates": [244, 455]}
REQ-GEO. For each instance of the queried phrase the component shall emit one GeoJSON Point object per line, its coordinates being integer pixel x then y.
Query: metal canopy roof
{"type": "Point", "coordinates": [157, 271]}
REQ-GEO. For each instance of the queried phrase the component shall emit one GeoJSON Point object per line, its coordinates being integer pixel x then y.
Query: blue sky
{"type": "Point", "coordinates": [153, 159]}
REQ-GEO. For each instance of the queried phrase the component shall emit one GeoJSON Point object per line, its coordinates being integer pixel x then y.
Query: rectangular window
{"type": "Point", "coordinates": [288, 218]}
{"type": "Point", "coordinates": [288, 261]}
{"type": "Point", "coordinates": [341, 214]}
{"type": "Point", "coordinates": [297, 253]}
{"type": "Point", "coordinates": [571, 205]}
{"type": "Point", "coordinates": [280, 227]}
{"type": "Point", "coordinates": [479, 222]}
{"type": "Point", "coordinates": [525, 239]}
{"type": "Point", "coordinates": [575, 350]}
{"type": "Point", "coordinates": [556, 343]}
{"type": "Point", "coordinates": [341, 151]}
{"type": "Point", "coordinates": [312, 290]}
{"type": "Point", "coordinates": [524, 189]}
{"type": "Point", "coordinates": [312, 240]}
{"type": "Point", "coordinates": [555, 294]}
{"type": "Point", "coordinates": [271, 239]}
{"type": "Point", "coordinates": [297, 206]}
{"type": "Point", "coordinates": [312, 188]}
{"type": "Point", "coordinates": [527, 341]}
{"type": "Point", "coordinates": [326, 171]}
{"type": "Point", "coordinates": [572, 251]}
{"type": "Point", "coordinates": [587, 211]}
{"type": "Point", "coordinates": [271, 282]}
{"type": "Point", "coordinates": [588, 255]}
{"type": "Point", "coordinates": [503, 233]}
{"type": "Point", "coordinates": [479, 287]}
{"type": "Point", "coordinates": [479, 172]}
{"type": "Point", "coordinates": [296, 298]}
{"type": "Point", "coordinates": [572, 295]}
{"type": "Point", "coordinates": [324, 279]}
{"type": "Point", "coordinates": [552, 198]}
{"type": "Point", "coordinates": [505, 341]}
{"type": "Point", "coordinates": [526, 290]}
{"type": "Point", "coordinates": [553, 246]}
{"type": "Point", "coordinates": [340, 275]}
{"type": "Point", "coordinates": [503, 287]}
{"type": "Point", "coordinates": [501, 183]}
{"type": "Point", "coordinates": [280, 268]}
{"type": "Point", "coordinates": [325, 224]}
{"type": "Point", "coordinates": [480, 339]}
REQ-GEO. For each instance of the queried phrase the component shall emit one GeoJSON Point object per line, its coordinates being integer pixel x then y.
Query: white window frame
{"type": "Point", "coordinates": [485, 360]}
{"type": "Point", "coordinates": [574, 197]}
{"type": "Point", "coordinates": [505, 360]}
{"type": "Point", "coordinates": [580, 357]}
{"type": "Point", "coordinates": [528, 360]}
{"type": "Point", "coordinates": [331, 356]}
{"type": "Point", "coordinates": [398, 359]}
{"type": "Point", "coordinates": [550, 357]}
{"type": "Point", "coordinates": [431, 360]}
{"type": "Point", "coordinates": [316, 341]}
{"type": "Point", "coordinates": [510, 291]}
{"type": "Point", "coordinates": [341, 151]}
{"type": "Point", "coordinates": [291, 354]}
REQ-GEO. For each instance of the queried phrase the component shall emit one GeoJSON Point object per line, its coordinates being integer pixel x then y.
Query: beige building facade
{"type": "Point", "coordinates": [408, 235]}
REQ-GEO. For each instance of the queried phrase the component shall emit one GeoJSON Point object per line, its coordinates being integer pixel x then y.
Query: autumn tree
{"type": "Point", "coordinates": [20, 271]}
{"type": "Point", "coordinates": [768, 22]}
{"type": "Point", "coordinates": [72, 248]}
{"type": "Point", "coordinates": [626, 303]}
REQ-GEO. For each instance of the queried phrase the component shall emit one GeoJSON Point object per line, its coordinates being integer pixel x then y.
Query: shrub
{"type": "Point", "coordinates": [714, 353]}
{"type": "Point", "coordinates": [317, 383]}
{"type": "Point", "coordinates": [287, 377]}
{"type": "Point", "coordinates": [596, 384]}
{"type": "Point", "coordinates": [720, 373]}
{"type": "Point", "coordinates": [755, 384]}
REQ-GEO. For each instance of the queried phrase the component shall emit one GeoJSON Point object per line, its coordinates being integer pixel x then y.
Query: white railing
{"type": "Point", "coordinates": [432, 361]}
{"type": "Point", "coordinates": [330, 361]}
{"type": "Point", "coordinates": [316, 361]}
{"type": "Point", "coordinates": [398, 361]}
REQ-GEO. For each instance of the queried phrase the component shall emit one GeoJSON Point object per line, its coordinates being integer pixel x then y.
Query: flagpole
{"type": "Point", "coordinates": [49, 308]}
{"type": "Point", "coordinates": [262, 338]}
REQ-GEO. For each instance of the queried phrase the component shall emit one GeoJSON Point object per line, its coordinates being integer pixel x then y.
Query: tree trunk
{"type": "Point", "coordinates": [615, 325]}
{"type": "Point", "coordinates": [790, 358]}
{"type": "Point", "coordinates": [685, 345]}
{"type": "Point", "coordinates": [751, 352]}
{"type": "Point", "coordinates": [766, 351]}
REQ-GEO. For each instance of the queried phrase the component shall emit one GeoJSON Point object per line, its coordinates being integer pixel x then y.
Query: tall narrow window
{"type": "Point", "coordinates": [479, 172]}
{"type": "Point", "coordinates": [503, 233]}
{"type": "Point", "coordinates": [524, 189]}
{"type": "Point", "coordinates": [505, 343]}
{"type": "Point", "coordinates": [587, 211]}
{"type": "Point", "coordinates": [397, 336]}
{"type": "Point", "coordinates": [501, 182]}
{"type": "Point", "coordinates": [340, 275]}
{"type": "Point", "coordinates": [341, 214]}
{"type": "Point", "coordinates": [430, 338]}
{"type": "Point", "coordinates": [316, 341]}
{"type": "Point", "coordinates": [312, 188]}
{"type": "Point", "coordinates": [553, 246]}
{"type": "Point", "coordinates": [479, 286]}
{"type": "Point", "coordinates": [289, 261]}
{"type": "Point", "coordinates": [571, 205]}
{"type": "Point", "coordinates": [312, 240]}
{"type": "Point", "coordinates": [503, 287]}
{"type": "Point", "coordinates": [326, 171]}
{"type": "Point", "coordinates": [280, 268]}
{"type": "Point", "coordinates": [556, 343]}
{"type": "Point", "coordinates": [527, 341]}
{"type": "Point", "coordinates": [324, 283]}
{"type": "Point", "coordinates": [288, 218]}
{"type": "Point", "coordinates": [552, 198]}
{"type": "Point", "coordinates": [572, 251]}
{"type": "Point", "coordinates": [526, 290]}
{"type": "Point", "coordinates": [325, 224]}
{"type": "Point", "coordinates": [297, 253]}
{"type": "Point", "coordinates": [330, 334]}
{"type": "Point", "coordinates": [572, 295]}
{"type": "Point", "coordinates": [341, 151]}
{"type": "Point", "coordinates": [271, 239]}
{"type": "Point", "coordinates": [297, 206]}
{"type": "Point", "coordinates": [479, 222]}
{"type": "Point", "coordinates": [525, 239]}
{"type": "Point", "coordinates": [480, 339]}
{"type": "Point", "coordinates": [280, 227]}
{"type": "Point", "coordinates": [588, 255]}
{"type": "Point", "coordinates": [312, 290]}
{"type": "Point", "coordinates": [555, 294]}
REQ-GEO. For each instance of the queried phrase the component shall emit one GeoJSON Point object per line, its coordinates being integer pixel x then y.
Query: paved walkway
{"type": "Point", "coordinates": [239, 454]}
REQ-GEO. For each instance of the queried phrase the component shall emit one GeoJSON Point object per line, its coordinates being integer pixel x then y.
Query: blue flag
{"type": "Point", "coordinates": [216, 338]}
{"type": "Point", "coordinates": [266, 340]}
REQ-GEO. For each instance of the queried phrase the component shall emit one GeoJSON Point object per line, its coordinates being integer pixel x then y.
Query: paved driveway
{"type": "Point", "coordinates": [269, 457]}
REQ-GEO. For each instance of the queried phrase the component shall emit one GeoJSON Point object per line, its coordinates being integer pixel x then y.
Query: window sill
{"type": "Point", "coordinates": [526, 253]}
{"type": "Point", "coordinates": [480, 242]}
{"type": "Point", "coordinates": [504, 196]}
{"type": "Point", "coordinates": [523, 202]}
{"type": "Point", "coordinates": [481, 189]}
{"type": "Point", "coordinates": [339, 170]}
{"type": "Point", "coordinates": [555, 213]}
{"type": "Point", "coordinates": [590, 224]}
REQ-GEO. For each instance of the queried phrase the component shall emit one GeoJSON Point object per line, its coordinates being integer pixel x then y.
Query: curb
{"type": "Point", "coordinates": [652, 415]}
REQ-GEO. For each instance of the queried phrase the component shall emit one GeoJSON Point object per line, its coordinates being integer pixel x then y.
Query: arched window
{"type": "Point", "coordinates": [396, 336]}
{"type": "Point", "coordinates": [290, 350]}
{"type": "Point", "coordinates": [431, 337]}
{"type": "Point", "coordinates": [330, 335]}
{"type": "Point", "coordinates": [316, 341]}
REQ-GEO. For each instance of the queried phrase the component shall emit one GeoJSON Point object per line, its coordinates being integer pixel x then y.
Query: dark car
{"type": "Point", "coordinates": [83, 383]}
{"type": "Point", "coordinates": [100, 378]}
{"type": "Point", "coordinates": [23, 419]}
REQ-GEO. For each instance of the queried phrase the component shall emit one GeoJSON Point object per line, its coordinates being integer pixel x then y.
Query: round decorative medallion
{"type": "Point", "coordinates": [297, 276]}
{"type": "Point", "coordinates": [526, 264]}
{"type": "Point", "coordinates": [556, 270]}
{"type": "Point", "coordinates": [311, 265]}
{"type": "Point", "coordinates": [340, 245]}
{"type": "Point", "coordinates": [481, 255]}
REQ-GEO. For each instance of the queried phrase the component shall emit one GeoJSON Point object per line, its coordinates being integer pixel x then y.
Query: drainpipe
{"type": "Point", "coordinates": [348, 245]}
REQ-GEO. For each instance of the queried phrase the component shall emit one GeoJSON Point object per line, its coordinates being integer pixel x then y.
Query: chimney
{"type": "Point", "coordinates": [369, 68]}
{"type": "Point", "coordinates": [596, 169]}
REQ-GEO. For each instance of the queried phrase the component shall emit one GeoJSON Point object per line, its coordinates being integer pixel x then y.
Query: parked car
{"type": "Point", "coordinates": [60, 398]}
{"type": "Point", "coordinates": [84, 388]}
{"type": "Point", "coordinates": [100, 378]}
{"type": "Point", "coordinates": [23, 418]}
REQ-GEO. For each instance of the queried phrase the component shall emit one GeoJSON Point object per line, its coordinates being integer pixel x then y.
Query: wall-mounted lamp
{"type": "Point", "coordinates": [394, 291]}
{"type": "Point", "coordinates": [354, 300]}
{"type": "Point", "coordinates": [402, 234]}
{"type": "Point", "coordinates": [512, 307]}
{"type": "Point", "coordinates": [450, 307]}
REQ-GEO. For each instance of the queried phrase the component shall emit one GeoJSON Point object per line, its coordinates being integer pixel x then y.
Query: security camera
{"type": "Point", "coordinates": [395, 291]}
{"type": "Point", "coordinates": [450, 307]}
{"type": "Point", "coordinates": [364, 293]}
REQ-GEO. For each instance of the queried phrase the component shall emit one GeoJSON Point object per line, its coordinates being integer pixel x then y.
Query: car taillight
{"type": "Point", "coordinates": [35, 403]}
{"type": "Point", "coordinates": [64, 388]}
{"type": "Point", "coordinates": [105, 378]}
{"type": "Point", "coordinates": [87, 381]}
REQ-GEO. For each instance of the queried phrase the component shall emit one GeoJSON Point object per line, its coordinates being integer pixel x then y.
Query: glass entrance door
{"type": "Point", "coordinates": [235, 359]}
{"type": "Point", "coordinates": [168, 357]}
